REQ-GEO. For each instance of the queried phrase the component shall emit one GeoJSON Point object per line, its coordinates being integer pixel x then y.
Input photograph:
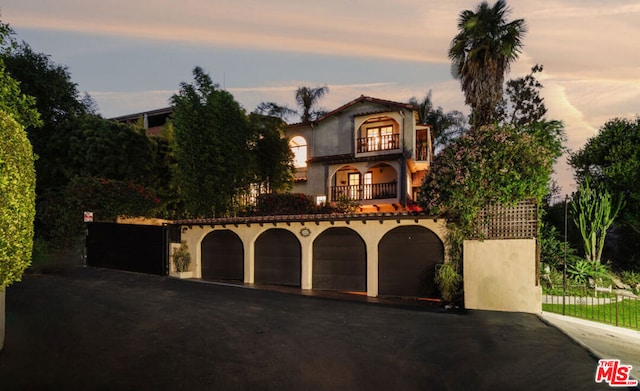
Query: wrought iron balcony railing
{"type": "Point", "coordinates": [381, 143]}
{"type": "Point", "coordinates": [365, 192]}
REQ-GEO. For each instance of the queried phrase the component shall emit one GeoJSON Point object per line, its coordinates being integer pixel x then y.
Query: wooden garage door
{"type": "Point", "coordinates": [340, 261]}
{"type": "Point", "coordinates": [277, 258]}
{"type": "Point", "coordinates": [407, 257]}
{"type": "Point", "coordinates": [222, 256]}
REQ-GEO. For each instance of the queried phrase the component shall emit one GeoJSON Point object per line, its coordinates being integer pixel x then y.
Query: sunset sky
{"type": "Point", "coordinates": [131, 56]}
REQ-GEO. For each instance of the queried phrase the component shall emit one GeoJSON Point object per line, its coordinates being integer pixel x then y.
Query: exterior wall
{"type": "Point", "coordinates": [370, 230]}
{"type": "Point", "coordinates": [500, 275]}
{"type": "Point", "coordinates": [316, 181]}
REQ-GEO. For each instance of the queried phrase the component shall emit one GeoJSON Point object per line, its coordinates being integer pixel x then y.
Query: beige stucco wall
{"type": "Point", "coordinates": [500, 275]}
{"type": "Point", "coordinates": [371, 231]}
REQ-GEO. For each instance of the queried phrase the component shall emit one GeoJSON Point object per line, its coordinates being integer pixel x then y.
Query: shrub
{"type": "Point", "coordinates": [182, 258]}
{"type": "Point", "coordinates": [550, 278]}
{"type": "Point", "coordinates": [272, 204]}
{"type": "Point", "coordinates": [632, 279]}
{"type": "Point", "coordinates": [582, 271]}
{"type": "Point", "coordinates": [17, 200]}
{"type": "Point", "coordinates": [284, 204]}
{"type": "Point", "coordinates": [448, 281]}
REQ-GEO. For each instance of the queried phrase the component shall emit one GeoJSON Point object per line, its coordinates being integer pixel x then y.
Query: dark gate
{"type": "Point", "coordinates": [407, 257]}
{"type": "Point", "coordinates": [222, 256]}
{"type": "Point", "coordinates": [340, 261]}
{"type": "Point", "coordinates": [136, 248]}
{"type": "Point", "coordinates": [277, 258]}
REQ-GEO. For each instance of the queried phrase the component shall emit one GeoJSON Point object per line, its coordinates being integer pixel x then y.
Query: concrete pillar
{"type": "Point", "coordinates": [372, 268]}
{"type": "Point", "coordinates": [249, 264]}
{"type": "Point", "coordinates": [306, 267]}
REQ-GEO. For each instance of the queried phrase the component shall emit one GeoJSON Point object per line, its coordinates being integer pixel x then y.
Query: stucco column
{"type": "Point", "coordinates": [249, 264]}
{"type": "Point", "coordinates": [2, 316]}
{"type": "Point", "coordinates": [306, 263]}
{"type": "Point", "coordinates": [372, 268]}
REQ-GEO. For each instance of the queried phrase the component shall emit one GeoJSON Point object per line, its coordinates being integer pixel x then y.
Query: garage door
{"type": "Point", "coordinates": [222, 256]}
{"type": "Point", "coordinates": [340, 261]}
{"type": "Point", "coordinates": [407, 259]}
{"type": "Point", "coordinates": [277, 258]}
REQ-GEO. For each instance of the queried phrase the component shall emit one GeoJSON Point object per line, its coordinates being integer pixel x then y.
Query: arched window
{"type": "Point", "coordinates": [298, 146]}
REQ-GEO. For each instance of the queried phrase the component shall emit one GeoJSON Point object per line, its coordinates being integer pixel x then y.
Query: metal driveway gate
{"type": "Point", "coordinates": [136, 248]}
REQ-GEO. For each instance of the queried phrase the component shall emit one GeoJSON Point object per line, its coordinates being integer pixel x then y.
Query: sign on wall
{"type": "Point", "coordinates": [88, 217]}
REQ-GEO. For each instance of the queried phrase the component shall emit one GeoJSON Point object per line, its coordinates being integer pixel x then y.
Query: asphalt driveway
{"type": "Point", "coordinates": [88, 329]}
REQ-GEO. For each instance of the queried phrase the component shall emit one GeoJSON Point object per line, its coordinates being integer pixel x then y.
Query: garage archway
{"type": "Point", "coordinates": [222, 256]}
{"type": "Point", "coordinates": [277, 258]}
{"type": "Point", "coordinates": [340, 261]}
{"type": "Point", "coordinates": [407, 257]}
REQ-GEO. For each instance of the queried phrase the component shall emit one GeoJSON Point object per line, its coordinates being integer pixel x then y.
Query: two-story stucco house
{"type": "Point", "coordinates": [370, 151]}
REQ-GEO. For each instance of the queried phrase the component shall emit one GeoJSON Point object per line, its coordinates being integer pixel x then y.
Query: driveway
{"type": "Point", "coordinates": [87, 329]}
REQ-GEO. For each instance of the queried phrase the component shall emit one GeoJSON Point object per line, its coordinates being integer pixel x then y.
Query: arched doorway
{"type": "Point", "coordinates": [407, 257]}
{"type": "Point", "coordinates": [222, 256]}
{"type": "Point", "coordinates": [277, 258]}
{"type": "Point", "coordinates": [340, 261]}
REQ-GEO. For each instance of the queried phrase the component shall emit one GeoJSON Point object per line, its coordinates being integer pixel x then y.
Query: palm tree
{"type": "Point", "coordinates": [307, 98]}
{"type": "Point", "coordinates": [481, 53]}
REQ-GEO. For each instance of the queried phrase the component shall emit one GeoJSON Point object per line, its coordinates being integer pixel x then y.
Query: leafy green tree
{"type": "Point", "coordinates": [101, 148]}
{"type": "Point", "coordinates": [481, 54]}
{"type": "Point", "coordinates": [91, 148]}
{"type": "Point", "coordinates": [273, 164]}
{"type": "Point", "coordinates": [523, 104]}
{"type": "Point", "coordinates": [211, 148]}
{"type": "Point", "coordinates": [446, 126]}
{"type": "Point", "coordinates": [57, 99]}
{"type": "Point", "coordinates": [491, 164]}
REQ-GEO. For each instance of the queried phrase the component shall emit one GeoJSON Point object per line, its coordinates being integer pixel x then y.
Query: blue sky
{"type": "Point", "coordinates": [132, 55]}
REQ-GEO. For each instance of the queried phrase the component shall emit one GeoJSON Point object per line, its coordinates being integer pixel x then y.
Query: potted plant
{"type": "Point", "coordinates": [182, 260]}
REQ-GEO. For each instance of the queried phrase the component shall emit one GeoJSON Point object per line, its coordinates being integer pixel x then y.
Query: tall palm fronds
{"type": "Point", "coordinates": [307, 98]}
{"type": "Point", "coordinates": [481, 53]}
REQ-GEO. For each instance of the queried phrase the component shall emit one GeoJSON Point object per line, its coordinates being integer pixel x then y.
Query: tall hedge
{"type": "Point", "coordinates": [17, 199]}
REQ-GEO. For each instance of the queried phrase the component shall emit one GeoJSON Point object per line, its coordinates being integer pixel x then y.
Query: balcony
{"type": "Point", "coordinates": [385, 142]}
{"type": "Point", "coordinates": [422, 153]}
{"type": "Point", "coordinates": [365, 192]}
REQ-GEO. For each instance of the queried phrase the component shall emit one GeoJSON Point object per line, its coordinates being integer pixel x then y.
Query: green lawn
{"type": "Point", "coordinates": [628, 312]}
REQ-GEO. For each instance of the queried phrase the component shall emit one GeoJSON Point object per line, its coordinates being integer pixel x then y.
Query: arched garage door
{"type": "Point", "coordinates": [277, 258]}
{"type": "Point", "coordinates": [222, 256]}
{"type": "Point", "coordinates": [340, 261]}
{"type": "Point", "coordinates": [407, 257]}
